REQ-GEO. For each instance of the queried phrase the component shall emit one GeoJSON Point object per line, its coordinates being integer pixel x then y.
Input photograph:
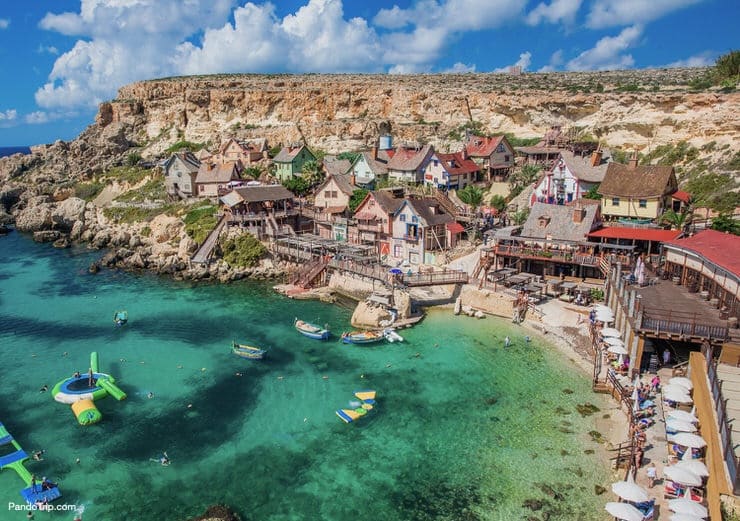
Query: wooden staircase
{"type": "Point", "coordinates": [604, 266]}
{"type": "Point", "coordinates": [309, 273]}
{"type": "Point", "coordinates": [203, 255]}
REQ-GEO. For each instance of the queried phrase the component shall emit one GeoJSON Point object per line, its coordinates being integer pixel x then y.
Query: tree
{"type": "Point", "coordinates": [727, 68]}
{"type": "Point", "coordinates": [498, 202]}
{"type": "Point", "coordinates": [520, 217]}
{"type": "Point", "coordinates": [471, 195]}
{"type": "Point", "coordinates": [311, 171]}
{"type": "Point", "coordinates": [358, 195]}
{"type": "Point", "coordinates": [726, 223]}
{"type": "Point", "coordinates": [522, 178]}
{"type": "Point", "coordinates": [297, 184]}
{"type": "Point", "coordinates": [677, 220]}
{"type": "Point", "coordinates": [593, 193]}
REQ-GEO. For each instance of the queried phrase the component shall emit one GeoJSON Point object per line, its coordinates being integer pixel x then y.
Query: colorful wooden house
{"type": "Point", "coordinates": [373, 220]}
{"type": "Point", "coordinates": [420, 231]}
{"type": "Point", "coordinates": [213, 179]}
{"type": "Point", "coordinates": [450, 171]}
{"type": "Point", "coordinates": [180, 172]}
{"type": "Point", "coordinates": [290, 160]}
{"type": "Point", "coordinates": [635, 191]}
{"type": "Point", "coordinates": [407, 164]}
{"type": "Point", "coordinates": [331, 207]}
{"type": "Point", "coordinates": [370, 166]}
{"type": "Point", "coordinates": [494, 155]}
{"type": "Point", "coordinates": [572, 176]}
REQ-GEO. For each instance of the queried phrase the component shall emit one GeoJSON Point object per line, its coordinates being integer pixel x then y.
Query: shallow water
{"type": "Point", "coordinates": [464, 429]}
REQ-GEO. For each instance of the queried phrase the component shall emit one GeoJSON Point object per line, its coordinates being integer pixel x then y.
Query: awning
{"type": "Point", "coordinates": [638, 234]}
{"type": "Point", "coordinates": [455, 228]}
{"type": "Point", "coordinates": [366, 216]}
{"type": "Point", "coordinates": [333, 209]}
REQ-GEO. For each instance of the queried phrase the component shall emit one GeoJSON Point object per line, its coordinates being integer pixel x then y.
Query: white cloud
{"type": "Point", "coordinates": [525, 59]}
{"type": "Point", "coordinates": [38, 117]}
{"type": "Point", "coordinates": [460, 68]}
{"type": "Point", "coordinates": [610, 13]}
{"type": "Point", "coordinates": [8, 115]}
{"type": "Point", "coordinates": [556, 60]}
{"type": "Point", "coordinates": [394, 18]}
{"type": "Point", "coordinates": [607, 54]}
{"type": "Point", "coordinates": [47, 48]}
{"type": "Point", "coordinates": [554, 12]}
{"type": "Point", "coordinates": [4, 23]}
{"type": "Point", "coordinates": [704, 59]}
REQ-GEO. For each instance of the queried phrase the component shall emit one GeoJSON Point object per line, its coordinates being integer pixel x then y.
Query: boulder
{"type": "Point", "coordinates": [77, 228]}
{"type": "Point", "coordinates": [46, 236]}
{"type": "Point", "coordinates": [34, 218]}
{"type": "Point", "coordinates": [366, 315]}
{"type": "Point", "coordinates": [68, 212]}
{"type": "Point", "coordinates": [101, 239]}
{"type": "Point", "coordinates": [186, 248]}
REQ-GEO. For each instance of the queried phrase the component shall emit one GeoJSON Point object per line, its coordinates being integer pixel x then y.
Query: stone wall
{"type": "Point", "coordinates": [487, 301]}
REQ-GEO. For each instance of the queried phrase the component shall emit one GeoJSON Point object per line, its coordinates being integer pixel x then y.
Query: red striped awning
{"type": "Point", "coordinates": [637, 234]}
{"type": "Point", "coordinates": [455, 228]}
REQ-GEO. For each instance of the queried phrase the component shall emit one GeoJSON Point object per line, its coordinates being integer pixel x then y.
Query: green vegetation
{"type": "Point", "coordinates": [153, 190]}
{"type": "Point", "coordinates": [670, 154]}
{"type": "Point", "coordinates": [593, 193]}
{"type": "Point", "coordinates": [727, 69]}
{"type": "Point", "coordinates": [498, 202]}
{"type": "Point", "coordinates": [520, 217]}
{"type": "Point", "coordinates": [358, 196]}
{"type": "Point", "coordinates": [725, 223]}
{"type": "Point", "coordinates": [521, 178]}
{"type": "Point", "coordinates": [200, 220]}
{"type": "Point", "coordinates": [274, 151]}
{"type": "Point", "coordinates": [253, 171]}
{"type": "Point", "coordinates": [243, 251]}
{"type": "Point", "coordinates": [146, 231]}
{"type": "Point", "coordinates": [630, 87]}
{"type": "Point", "coordinates": [458, 134]}
{"type": "Point", "coordinates": [596, 295]}
{"type": "Point", "coordinates": [184, 145]}
{"type": "Point", "coordinates": [349, 156]}
{"type": "Point", "coordinates": [521, 141]}
{"type": "Point", "coordinates": [133, 159]}
{"type": "Point", "coordinates": [297, 184]}
{"type": "Point", "coordinates": [471, 195]}
{"type": "Point", "coordinates": [676, 220]}
{"type": "Point", "coordinates": [134, 214]}
{"type": "Point", "coordinates": [88, 191]}
{"type": "Point", "coordinates": [312, 172]}
{"type": "Point", "coordinates": [713, 190]}
{"type": "Point", "coordinates": [126, 174]}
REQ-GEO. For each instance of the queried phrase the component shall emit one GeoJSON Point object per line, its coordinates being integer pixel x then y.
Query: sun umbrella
{"type": "Point", "coordinates": [629, 490]}
{"type": "Point", "coordinates": [683, 416]}
{"type": "Point", "coordinates": [685, 517]}
{"type": "Point", "coordinates": [694, 465]}
{"type": "Point", "coordinates": [612, 341]}
{"type": "Point", "coordinates": [623, 511]}
{"type": "Point", "coordinates": [687, 507]}
{"type": "Point", "coordinates": [682, 381]}
{"type": "Point", "coordinates": [601, 307]}
{"type": "Point", "coordinates": [604, 316]}
{"type": "Point", "coordinates": [682, 476]}
{"type": "Point", "coordinates": [395, 271]}
{"type": "Point", "coordinates": [610, 332]}
{"type": "Point", "coordinates": [671, 387]}
{"type": "Point", "coordinates": [673, 425]}
{"type": "Point", "coordinates": [677, 396]}
{"type": "Point", "coordinates": [686, 439]}
{"type": "Point", "coordinates": [618, 350]}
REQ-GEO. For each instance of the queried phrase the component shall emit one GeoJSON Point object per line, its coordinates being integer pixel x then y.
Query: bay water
{"type": "Point", "coordinates": [463, 428]}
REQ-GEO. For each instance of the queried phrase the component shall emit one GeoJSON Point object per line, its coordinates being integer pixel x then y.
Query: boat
{"type": "Point", "coordinates": [245, 351]}
{"type": "Point", "coordinates": [391, 335]}
{"type": "Point", "coordinates": [358, 409]}
{"type": "Point", "coordinates": [312, 330]}
{"type": "Point", "coordinates": [362, 337]}
{"type": "Point", "coordinates": [120, 317]}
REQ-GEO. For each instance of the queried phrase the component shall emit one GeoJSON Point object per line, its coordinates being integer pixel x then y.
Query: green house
{"type": "Point", "coordinates": [289, 162]}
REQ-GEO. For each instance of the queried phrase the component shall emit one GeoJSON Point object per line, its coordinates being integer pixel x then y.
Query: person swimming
{"type": "Point", "coordinates": [44, 388]}
{"type": "Point", "coordinates": [165, 459]}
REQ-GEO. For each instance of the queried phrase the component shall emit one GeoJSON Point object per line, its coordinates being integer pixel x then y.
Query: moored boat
{"type": "Point", "coordinates": [312, 330]}
{"type": "Point", "coordinates": [245, 351]}
{"type": "Point", "coordinates": [391, 335]}
{"type": "Point", "coordinates": [362, 337]}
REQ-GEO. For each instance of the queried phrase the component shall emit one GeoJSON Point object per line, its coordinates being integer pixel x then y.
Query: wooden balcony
{"type": "Point", "coordinates": [411, 238]}
{"type": "Point", "coordinates": [370, 226]}
{"type": "Point", "coordinates": [581, 258]}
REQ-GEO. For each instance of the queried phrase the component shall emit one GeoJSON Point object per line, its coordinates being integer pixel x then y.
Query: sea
{"type": "Point", "coordinates": [463, 428]}
{"type": "Point", "coordinates": [9, 151]}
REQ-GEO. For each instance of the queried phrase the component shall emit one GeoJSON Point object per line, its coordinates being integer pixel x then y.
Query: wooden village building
{"type": "Point", "coordinates": [570, 177]}
{"type": "Point", "coordinates": [213, 179]}
{"type": "Point", "coordinates": [494, 155]}
{"type": "Point", "coordinates": [180, 172]}
{"type": "Point", "coordinates": [263, 210]}
{"type": "Point", "coordinates": [373, 220]}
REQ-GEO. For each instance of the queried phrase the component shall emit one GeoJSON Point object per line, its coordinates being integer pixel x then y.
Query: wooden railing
{"type": "Point", "coordinates": [581, 258]}
{"type": "Point", "coordinates": [680, 323]}
{"type": "Point", "coordinates": [372, 271]}
{"type": "Point", "coordinates": [243, 217]}
{"type": "Point", "coordinates": [435, 277]}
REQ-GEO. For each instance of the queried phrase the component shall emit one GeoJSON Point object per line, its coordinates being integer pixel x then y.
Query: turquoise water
{"type": "Point", "coordinates": [463, 430]}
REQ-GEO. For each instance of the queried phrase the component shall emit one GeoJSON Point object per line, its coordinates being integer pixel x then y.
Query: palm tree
{"type": "Point", "coordinates": [520, 217]}
{"type": "Point", "coordinates": [311, 171]}
{"type": "Point", "coordinates": [676, 220]}
{"type": "Point", "coordinates": [471, 195]}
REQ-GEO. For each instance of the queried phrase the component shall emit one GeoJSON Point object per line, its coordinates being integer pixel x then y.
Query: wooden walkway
{"type": "Point", "coordinates": [204, 252]}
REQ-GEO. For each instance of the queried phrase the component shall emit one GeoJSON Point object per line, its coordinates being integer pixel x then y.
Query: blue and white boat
{"type": "Point", "coordinates": [312, 330]}
{"type": "Point", "coordinates": [245, 351]}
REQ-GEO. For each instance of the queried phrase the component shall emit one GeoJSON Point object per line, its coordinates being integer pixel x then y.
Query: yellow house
{"type": "Point", "coordinates": [634, 191]}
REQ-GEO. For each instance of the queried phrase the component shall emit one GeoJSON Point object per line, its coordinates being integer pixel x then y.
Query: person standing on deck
{"type": "Point", "coordinates": [90, 379]}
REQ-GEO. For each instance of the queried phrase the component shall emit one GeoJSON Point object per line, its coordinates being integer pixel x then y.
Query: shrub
{"type": "Point", "coordinates": [199, 221]}
{"type": "Point", "coordinates": [127, 174]}
{"type": "Point", "coordinates": [88, 191]}
{"type": "Point", "coordinates": [133, 159]}
{"type": "Point", "coordinates": [727, 68]}
{"type": "Point", "coordinates": [184, 145]}
{"type": "Point", "coordinates": [358, 195]}
{"type": "Point", "coordinates": [243, 251]}
{"type": "Point", "coordinates": [498, 202]}
{"type": "Point", "coordinates": [132, 214]}
{"type": "Point", "coordinates": [153, 190]}
{"type": "Point", "coordinates": [725, 223]}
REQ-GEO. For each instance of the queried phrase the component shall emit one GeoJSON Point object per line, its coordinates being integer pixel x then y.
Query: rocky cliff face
{"type": "Point", "coordinates": [347, 112]}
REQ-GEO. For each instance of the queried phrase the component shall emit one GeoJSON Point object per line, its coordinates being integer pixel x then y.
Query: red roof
{"type": "Point", "coordinates": [639, 234]}
{"type": "Point", "coordinates": [682, 196]}
{"type": "Point", "coordinates": [723, 249]}
{"type": "Point", "coordinates": [479, 146]}
{"type": "Point", "coordinates": [455, 228]}
{"type": "Point", "coordinates": [457, 164]}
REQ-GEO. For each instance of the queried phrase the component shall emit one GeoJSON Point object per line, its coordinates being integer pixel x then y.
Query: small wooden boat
{"type": "Point", "coordinates": [120, 317]}
{"type": "Point", "coordinates": [391, 335]}
{"type": "Point", "coordinates": [312, 330]}
{"type": "Point", "coordinates": [245, 351]}
{"type": "Point", "coordinates": [362, 337]}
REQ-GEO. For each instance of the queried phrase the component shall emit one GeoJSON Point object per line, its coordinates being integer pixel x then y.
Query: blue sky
{"type": "Point", "coordinates": [60, 58]}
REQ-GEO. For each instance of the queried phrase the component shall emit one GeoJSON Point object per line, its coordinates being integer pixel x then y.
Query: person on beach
{"type": "Point", "coordinates": [76, 375]}
{"type": "Point", "coordinates": [652, 474]}
{"type": "Point", "coordinates": [655, 384]}
{"type": "Point", "coordinates": [38, 455]}
{"type": "Point", "coordinates": [666, 357]}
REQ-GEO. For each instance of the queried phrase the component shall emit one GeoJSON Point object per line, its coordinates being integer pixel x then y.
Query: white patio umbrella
{"type": "Point", "coordinates": [671, 387]}
{"type": "Point", "coordinates": [613, 341]}
{"type": "Point", "coordinates": [682, 476]}
{"type": "Point", "coordinates": [684, 505]}
{"type": "Point", "coordinates": [617, 350]}
{"type": "Point", "coordinates": [674, 425]}
{"type": "Point", "coordinates": [685, 517]}
{"type": "Point", "coordinates": [603, 316]}
{"type": "Point", "coordinates": [610, 332]}
{"type": "Point", "coordinates": [629, 490]}
{"type": "Point", "coordinates": [682, 415]}
{"type": "Point", "coordinates": [694, 465]}
{"type": "Point", "coordinates": [687, 439]}
{"type": "Point", "coordinates": [623, 511]}
{"type": "Point", "coordinates": [677, 396]}
{"type": "Point", "coordinates": [601, 307]}
{"type": "Point", "coordinates": [682, 381]}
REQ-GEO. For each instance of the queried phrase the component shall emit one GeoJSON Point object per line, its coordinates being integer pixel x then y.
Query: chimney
{"type": "Point", "coordinates": [596, 157]}
{"type": "Point", "coordinates": [353, 179]}
{"type": "Point", "coordinates": [632, 164]}
{"type": "Point", "coordinates": [578, 214]}
{"type": "Point", "coordinates": [375, 152]}
{"type": "Point", "coordinates": [465, 153]}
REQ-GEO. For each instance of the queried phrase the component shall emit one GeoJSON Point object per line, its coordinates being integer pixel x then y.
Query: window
{"type": "Point", "coordinates": [436, 162]}
{"type": "Point", "coordinates": [507, 159]}
{"type": "Point", "coordinates": [402, 217]}
{"type": "Point", "coordinates": [327, 194]}
{"type": "Point", "coordinates": [371, 202]}
{"type": "Point", "coordinates": [500, 148]}
{"type": "Point", "coordinates": [615, 201]}
{"type": "Point", "coordinates": [334, 194]}
{"type": "Point", "coordinates": [643, 203]}
{"type": "Point", "coordinates": [414, 219]}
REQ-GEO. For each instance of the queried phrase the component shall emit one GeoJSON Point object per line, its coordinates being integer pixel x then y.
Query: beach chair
{"type": "Point", "coordinates": [647, 508]}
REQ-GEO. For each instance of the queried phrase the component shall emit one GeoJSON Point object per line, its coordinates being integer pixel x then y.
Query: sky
{"type": "Point", "coordinates": [60, 58]}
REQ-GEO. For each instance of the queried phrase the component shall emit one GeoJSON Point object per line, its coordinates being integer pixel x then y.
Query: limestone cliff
{"type": "Point", "coordinates": [346, 112]}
